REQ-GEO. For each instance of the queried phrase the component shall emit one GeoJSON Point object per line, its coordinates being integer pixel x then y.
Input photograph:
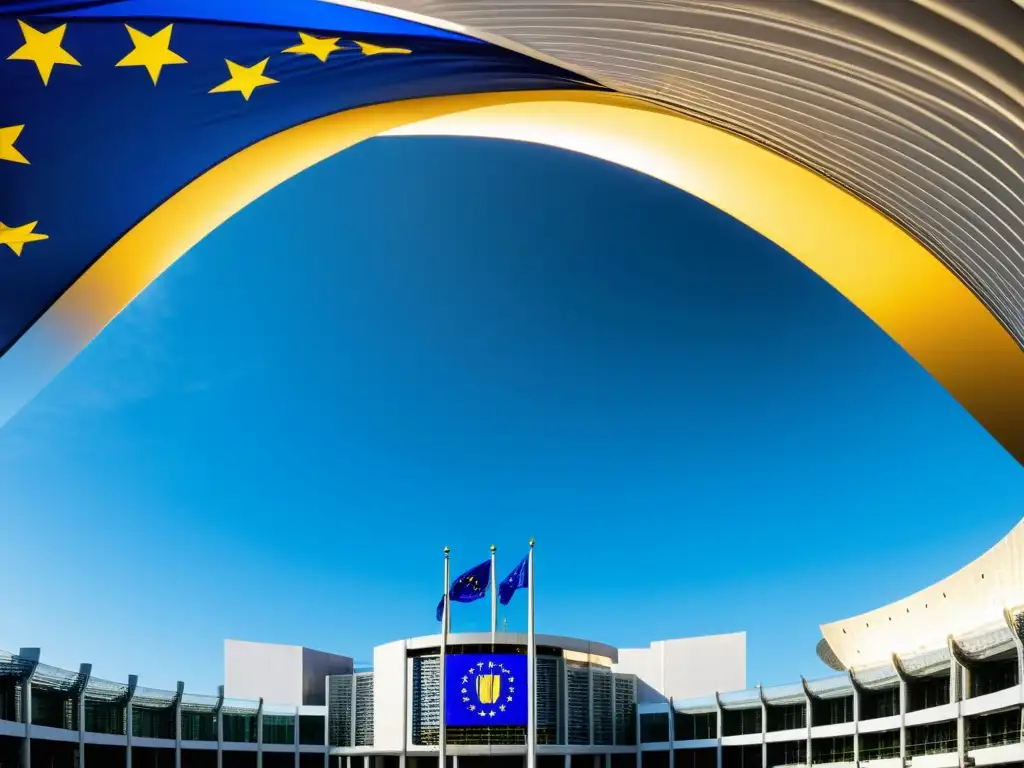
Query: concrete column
{"type": "Point", "coordinates": [856, 718]}
{"type": "Point", "coordinates": [957, 693]}
{"type": "Point", "coordinates": [327, 726]}
{"type": "Point", "coordinates": [84, 673]}
{"type": "Point", "coordinates": [809, 717]}
{"type": "Point", "coordinates": [639, 739]}
{"type": "Point", "coordinates": [671, 733]}
{"type": "Point", "coordinates": [259, 734]}
{"type": "Point", "coordinates": [366, 758]}
{"type": "Point", "coordinates": [903, 719]}
{"type": "Point", "coordinates": [1012, 624]}
{"type": "Point", "coordinates": [719, 714]}
{"type": "Point", "coordinates": [30, 657]}
{"type": "Point", "coordinates": [764, 727]}
{"type": "Point", "coordinates": [133, 683]}
{"type": "Point", "coordinates": [219, 715]}
{"type": "Point", "coordinates": [407, 710]}
{"type": "Point", "coordinates": [568, 761]}
{"type": "Point", "coordinates": [177, 723]}
{"type": "Point", "coordinates": [407, 707]}
{"type": "Point", "coordinates": [636, 719]}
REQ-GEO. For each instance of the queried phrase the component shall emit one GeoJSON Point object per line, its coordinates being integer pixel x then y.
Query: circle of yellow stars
{"type": "Point", "coordinates": [152, 52]}
{"type": "Point", "coordinates": [485, 711]}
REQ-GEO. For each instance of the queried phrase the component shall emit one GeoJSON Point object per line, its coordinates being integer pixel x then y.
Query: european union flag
{"type": "Point", "coordinates": [126, 123]}
{"type": "Point", "coordinates": [470, 586]}
{"type": "Point", "coordinates": [518, 579]}
{"type": "Point", "coordinates": [485, 689]}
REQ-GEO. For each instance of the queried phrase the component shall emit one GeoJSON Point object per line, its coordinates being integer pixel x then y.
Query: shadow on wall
{"type": "Point", "coordinates": [646, 694]}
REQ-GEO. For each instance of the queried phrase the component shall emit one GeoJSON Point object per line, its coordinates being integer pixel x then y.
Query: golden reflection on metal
{"type": "Point", "coordinates": [886, 273]}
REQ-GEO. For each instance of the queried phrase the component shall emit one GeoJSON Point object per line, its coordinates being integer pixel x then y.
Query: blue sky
{"type": "Point", "coordinates": [430, 342]}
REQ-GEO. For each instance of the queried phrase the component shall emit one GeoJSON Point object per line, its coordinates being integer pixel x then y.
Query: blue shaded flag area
{"type": "Point", "coordinates": [470, 586]}
{"type": "Point", "coordinates": [311, 15]}
{"type": "Point", "coordinates": [518, 579]}
{"type": "Point", "coordinates": [482, 689]}
{"type": "Point", "coordinates": [102, 119]}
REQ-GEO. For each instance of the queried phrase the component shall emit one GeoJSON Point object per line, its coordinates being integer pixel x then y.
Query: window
{"type": "Point", "coordinates": [311, 729]}
{"type": "Point", "coordinates": [787, 717]}
{"type": "Point", "coordinates": [882, 703]}
{"type": "Point", "coordinates": [834, 750]}
{"type": "Point", "coordinates": [787, 753]}
{"type": "Point", "coordinates": [989, 677]}
{"type": "Point", "coordinates": [936, 739]}
{"type": "Point", "coordinates": [740, 722]}
{"type": "Point", "coordinates": [279, 729]}
{"type": "Point", "coordinates": [927, 693]}
{"type": "Point", "coordinates": [654, 727]}
{"type": "Point", "coordinates": [740, 757]}
{"type": "Point", "coordinates": [701, 725]}
{"type": "Point", "coordinates": [833, 711]}
{"type": "Point", "coordinates": [879, 746]}
{"type": "Point", "coordinates": [993, 730]}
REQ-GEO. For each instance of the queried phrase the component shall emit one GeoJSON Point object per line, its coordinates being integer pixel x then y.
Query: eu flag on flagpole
{"type": "Point", "coordinates": [470, 586]}
{"type": "Point", "coordinates": [518, 579]}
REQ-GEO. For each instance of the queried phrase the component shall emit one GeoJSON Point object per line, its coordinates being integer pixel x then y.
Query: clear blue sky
{"type": "Point", "coordinates": [438, 342]}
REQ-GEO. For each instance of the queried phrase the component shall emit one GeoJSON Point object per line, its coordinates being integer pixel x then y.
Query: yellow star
{"type": "Point", "coordinates": [369, 49]}
{"type": "Point", "coordinates": [43, 49]}
{"type": "Point", "coordinates": [16, 237]}
{"type": "Point", "coordinates": [7, 138]}
{"type": "Point", "coordinates": [321, 47]}
{"type": "Point", "coordinates": [151, 51]}
{"type": "Point", "coordinates": [245, 80]}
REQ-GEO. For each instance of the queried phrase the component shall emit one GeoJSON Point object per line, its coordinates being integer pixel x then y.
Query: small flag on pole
{"type": "Point", "coordinates": [470, 586]}
{"type": "Point", "coordinates": [518, 579]}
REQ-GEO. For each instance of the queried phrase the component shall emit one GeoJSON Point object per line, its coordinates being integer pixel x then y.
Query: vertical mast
{"type": "Point", "coordinates": [445, 618]}
{"type": "Point", "coordinates": [494, 595]}
{"type": "Point", "coordinates": [531, 670]}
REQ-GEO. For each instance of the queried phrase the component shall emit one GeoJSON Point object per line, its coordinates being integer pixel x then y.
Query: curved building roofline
{"type": "Point", "coordinates": [975, 596]}
{"type": "Point", "coordinates": [913, 108]}
{"type": "Point", "coordinates": [574, 644]}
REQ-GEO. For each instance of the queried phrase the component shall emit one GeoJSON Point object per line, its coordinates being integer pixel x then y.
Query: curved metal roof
{"type": "Point", "coordinates": [966, 606]}
{"type": "Point", "coordinates": [915, 107]}
{"type": "Point", "coordinates": [572, 644]}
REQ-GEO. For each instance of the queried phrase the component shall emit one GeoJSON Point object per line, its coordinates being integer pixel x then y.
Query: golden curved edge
{"type": "Point", "coordinates": [971, 599]}
{"type": "Point", "coordinates": [891, 277]}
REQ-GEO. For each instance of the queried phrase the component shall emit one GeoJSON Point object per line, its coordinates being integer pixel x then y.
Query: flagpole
{"type": "Point", "coordinates": [494, 595]}
{"type": "Point", "coordinates": [441, 756]}
{"type": "Point", "coordinates": [531, 672]}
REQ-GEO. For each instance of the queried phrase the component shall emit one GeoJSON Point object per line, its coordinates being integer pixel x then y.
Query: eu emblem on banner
{"type": "Point", "coordinates": [486, 689]}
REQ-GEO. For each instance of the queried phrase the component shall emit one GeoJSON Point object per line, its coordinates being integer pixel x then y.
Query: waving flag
{"type": "Point", "coordinates": [471, 585]}
{"type": "Point", "coordinates": [122, 122]}
{"type": "Point", "coordinates": [518, 578]}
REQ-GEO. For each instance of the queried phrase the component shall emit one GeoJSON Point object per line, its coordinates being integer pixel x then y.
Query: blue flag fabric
{"type": "Point", "coordinates": [485, 689]}
{"type": "Point", "coordinates": [109, 108]}
{"type": "Point", "coordinates": [470, 586]}
{"type": "Point", "coordinates": [518, 579]}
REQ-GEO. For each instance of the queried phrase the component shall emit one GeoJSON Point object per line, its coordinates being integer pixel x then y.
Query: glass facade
{"type": "Point", "coordinates": [579, 703]}
{"type": "Point", "coordinates": [240, 727]}
{"type": "Point", "coordinates": [278, 729]}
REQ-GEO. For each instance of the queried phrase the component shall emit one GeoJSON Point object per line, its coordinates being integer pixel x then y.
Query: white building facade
{"type": "Point", "coordinates": [930, 681]}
